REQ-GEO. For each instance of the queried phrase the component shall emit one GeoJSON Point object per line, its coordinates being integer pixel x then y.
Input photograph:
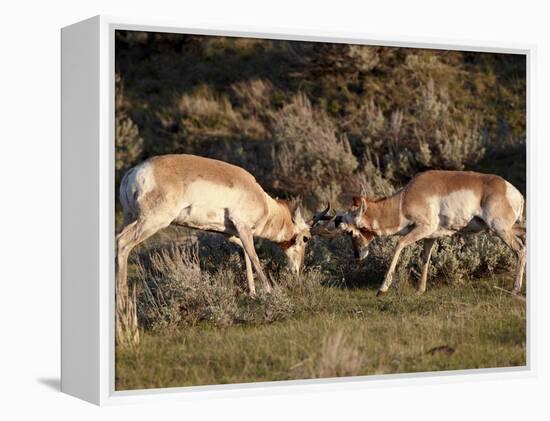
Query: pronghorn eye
{"type": "Point", "coordinates": [306, 239]}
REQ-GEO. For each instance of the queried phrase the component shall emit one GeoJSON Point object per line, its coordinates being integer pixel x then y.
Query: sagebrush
{"type": "Point", "coordinates": [203, 280]}
{"type": "Point", "coordinates": [319, 119]}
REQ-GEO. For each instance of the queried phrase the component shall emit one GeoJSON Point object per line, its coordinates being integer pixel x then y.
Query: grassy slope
{"type": "Point", "coordinates": [347, 332]}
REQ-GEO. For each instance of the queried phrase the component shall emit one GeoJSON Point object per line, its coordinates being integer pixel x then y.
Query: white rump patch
{"type": "Point", "coordinates": [144, 178]}
{"type": "Point", "coordinates": [515, 199]}
{"type": "Point", "coordinates": [137, 182]}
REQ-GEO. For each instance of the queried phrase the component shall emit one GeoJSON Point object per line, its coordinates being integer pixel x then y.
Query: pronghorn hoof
{"type": "Point", "coordinates": [420, 291]}
{"type": "Point", "coordinates": [380, 293]}
{"type": "Point", "coordinates": [516, 291]}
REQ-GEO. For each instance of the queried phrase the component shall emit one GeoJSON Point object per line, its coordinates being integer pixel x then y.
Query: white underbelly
{"type": "Point", "coordinates": [458, 211]}
{"type": "Point", "coordinates": [441, 232]}
{"type": "Point", "coordinates": [203, 218]}
{"type": "Point", "coordinates": [209, 206]}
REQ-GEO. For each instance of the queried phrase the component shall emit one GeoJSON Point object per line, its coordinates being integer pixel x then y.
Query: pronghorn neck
{"type": "Point", "coordinates": [278, 226]}
{"type": "Point", "coordinates": [383, 216]}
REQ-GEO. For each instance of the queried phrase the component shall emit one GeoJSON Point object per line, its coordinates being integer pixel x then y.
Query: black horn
{"type": "Point", "coordinates": [321, 216]}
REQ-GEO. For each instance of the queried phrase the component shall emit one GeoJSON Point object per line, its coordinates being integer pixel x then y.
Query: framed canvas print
{"type": "Point", "coordinates": [244, 211]}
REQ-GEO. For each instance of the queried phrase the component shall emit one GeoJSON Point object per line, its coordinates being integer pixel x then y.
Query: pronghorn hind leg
{"type": "Point", "coordinates": [132, 235]}
{"type": "Point", "coordinates": [126, 323]}
{"type": "Point", "coordinates": [426, 255]}
{"type": "Point", "coordinates": [518, 247]}
{"type": "Point", "coordinates": [248, 265]}
{"type": "Point", "coordinates": [123, 241]}
{"type": "Point", "coordinates": [247, 239]}
{"type": "Point", "coordinates": [521, 233]}
{"type": "Point", "coordinates": [416, 234]}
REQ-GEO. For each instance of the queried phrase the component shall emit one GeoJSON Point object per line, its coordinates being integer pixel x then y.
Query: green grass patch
{"type": "Point", "coordinates": [334, 331]}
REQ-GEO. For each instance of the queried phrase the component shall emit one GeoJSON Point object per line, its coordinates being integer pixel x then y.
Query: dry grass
{"type": "Point", "coordinates": [206, 114]}
{"type": "Point", "coordinates": [311, 159]}
{"type": "Point", "coordinates": [254, 96]}
{"type": "Point", "coordinates": [338, 358]}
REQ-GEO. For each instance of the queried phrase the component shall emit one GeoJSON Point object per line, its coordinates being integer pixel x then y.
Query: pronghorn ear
{"type": "Point", "coordinates": [361, 202]}
{"type": "Point", "coordinates": [296, 209]}
{"type": "Point", "coordinates": [363, 206]}
{"type": "Point", "coordinates": [297, 213]}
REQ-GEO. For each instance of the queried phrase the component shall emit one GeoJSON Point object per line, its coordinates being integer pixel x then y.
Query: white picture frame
{"type": "Point", "coordinates": [88, 273]}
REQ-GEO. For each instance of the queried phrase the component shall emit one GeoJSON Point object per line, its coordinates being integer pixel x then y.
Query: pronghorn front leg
{"type": "Point", "coordinates": [247, 239]}
{"type": "Point", "coordinates": [248, 265]}
{"type": "Point", "coordinates": [416, 234]}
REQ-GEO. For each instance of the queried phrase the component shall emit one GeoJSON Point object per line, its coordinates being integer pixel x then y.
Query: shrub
{"type": "Point", "coordinates": [455, 260]}
{"type": "Point", "coordinates": [347, 60]}
{"type": "Point", "coordinates": [452, 263]}
{"type": "Point", "coordinates": [374, 181]}
{"type": "Point", "coordinates": [174, 289]}
{"type": "Point", "coordinates": [268, 307]}
{"type": "Point", "coordinates": [432, 133]}
{"type": "Point", "coordinates": [129, 145]}
{"type": "Point", "coordinates": [310, 159]}
{"type": "Point", "coordinates": [253, 97]}
{"type": "Point", "coordinates": [446, 141]}
{"type": "Point", "coordinates": [206, 113]}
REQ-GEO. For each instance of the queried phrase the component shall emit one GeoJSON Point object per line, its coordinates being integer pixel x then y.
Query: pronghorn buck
{"type": "Point", "coordinates": [436, 204]}
{"type": "Point", "coordinates": [210, 195]}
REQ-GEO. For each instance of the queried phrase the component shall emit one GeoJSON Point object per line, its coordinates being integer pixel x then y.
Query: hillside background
{"type": "Point", "coordinates": [316, 119]}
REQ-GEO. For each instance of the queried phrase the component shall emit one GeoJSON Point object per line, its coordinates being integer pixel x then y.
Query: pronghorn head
{"type": "Point", "coordinates": [355, 225]}
{"type": "Point", "coordinates": [295, 248]}
{"type": "Point", "coordinates": [346, 223]}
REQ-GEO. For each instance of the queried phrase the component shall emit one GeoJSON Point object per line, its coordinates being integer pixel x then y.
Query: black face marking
{"type": "Point", "coordinates": [287, 244]}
